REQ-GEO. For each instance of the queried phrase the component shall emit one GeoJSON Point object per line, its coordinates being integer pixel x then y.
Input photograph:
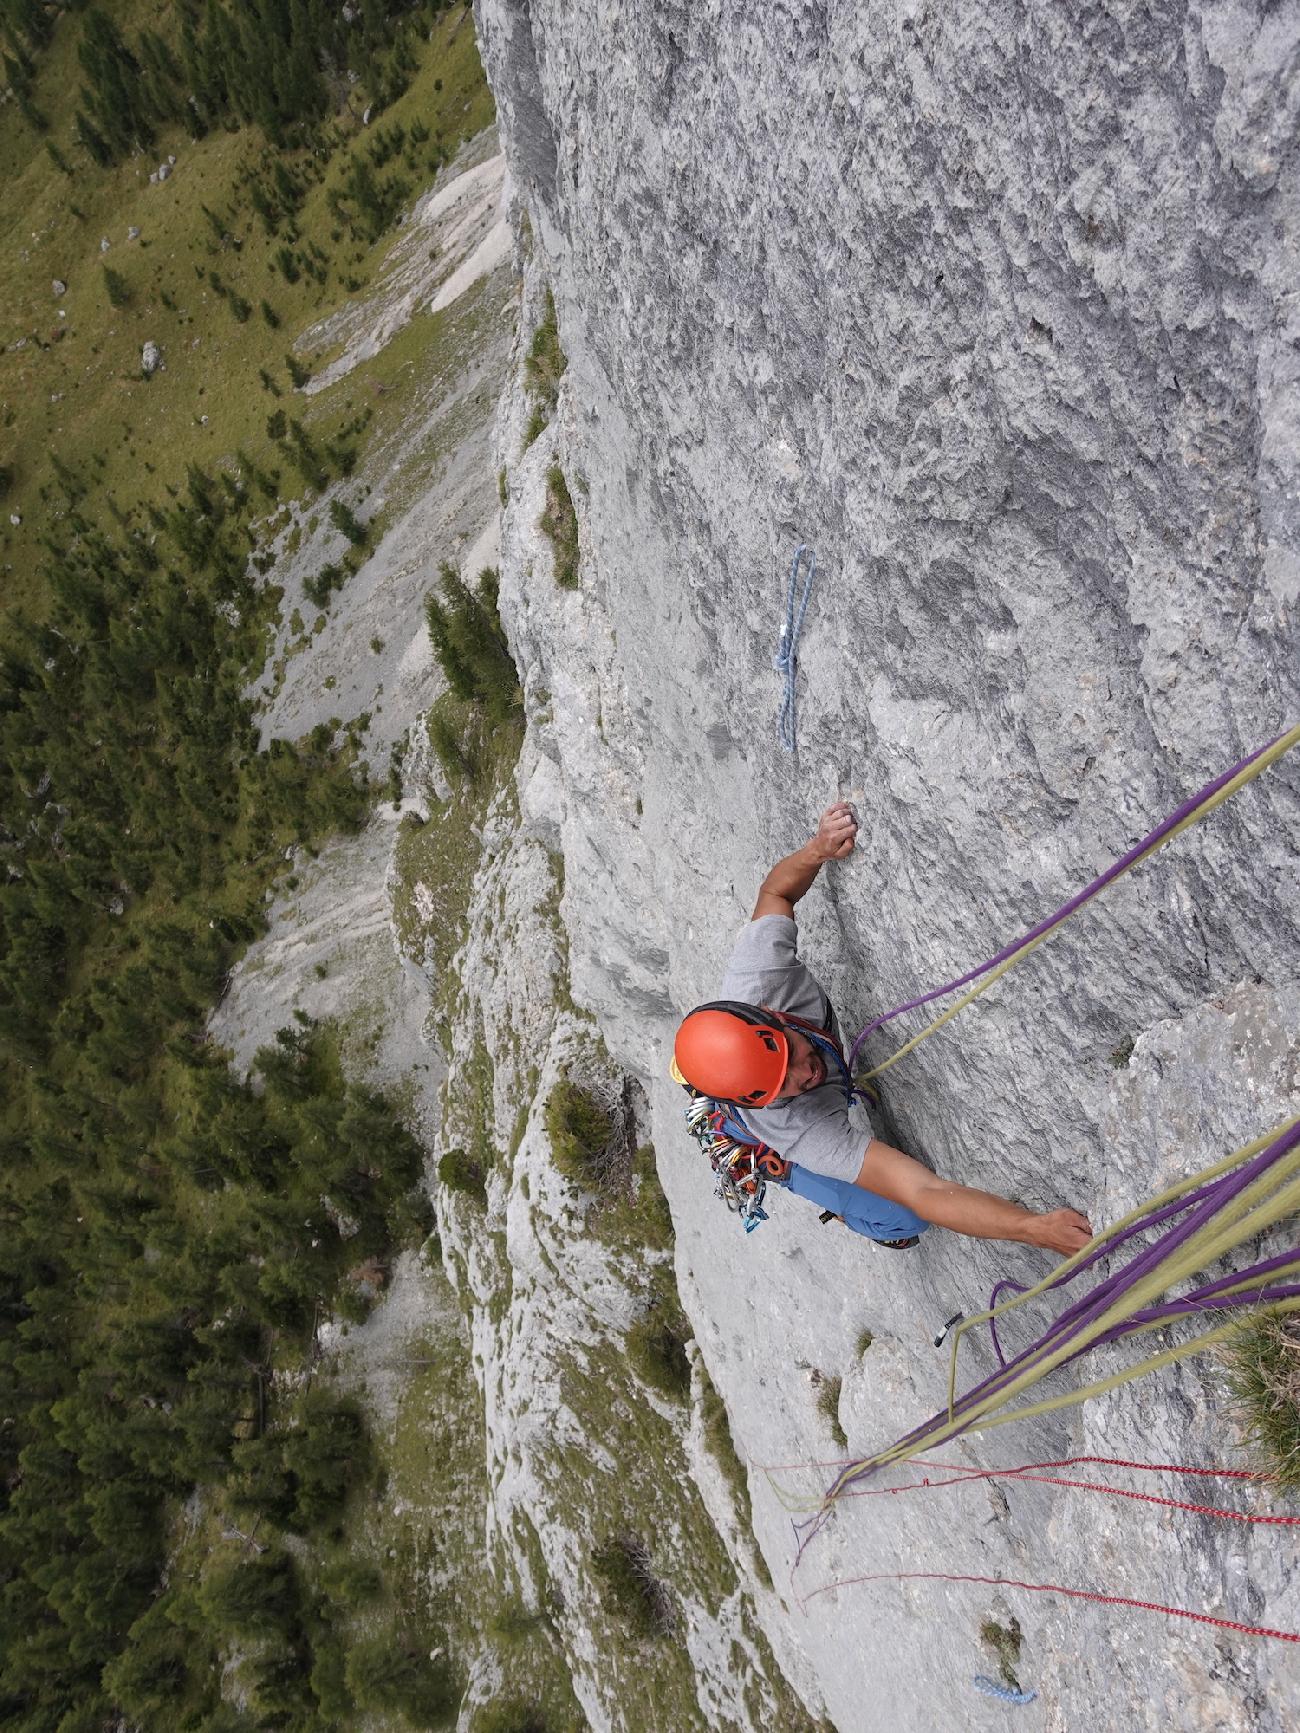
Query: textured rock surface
{"type": "Point", "coordinates": [548, 1302]}
{"type": "Point", "coordinates": [999, 311]}
{"type": "Point", "coordinates": [358, 935]}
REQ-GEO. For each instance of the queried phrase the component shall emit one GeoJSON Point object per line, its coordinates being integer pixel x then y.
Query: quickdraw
{"type": "Point", "coordinates": [742, 1170]}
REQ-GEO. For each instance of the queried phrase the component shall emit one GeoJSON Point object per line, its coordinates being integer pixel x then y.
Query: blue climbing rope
{"type": "Point", "coordinates": [1003, 1693]}
{"type": "Point", "coordinates": [786, 660]}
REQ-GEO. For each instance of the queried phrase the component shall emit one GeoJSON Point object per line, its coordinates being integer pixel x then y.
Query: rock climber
{"type": "Point", "coordinates": [750, 1050]}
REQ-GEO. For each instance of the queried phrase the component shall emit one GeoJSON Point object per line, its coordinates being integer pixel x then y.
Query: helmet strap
{"type": "Point", "coordinates": [826, 1045]}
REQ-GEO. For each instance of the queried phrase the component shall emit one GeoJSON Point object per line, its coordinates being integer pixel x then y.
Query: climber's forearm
{"type": "Point", "coordinates": [790, 878]}
{"type": "Point", "coordinates": [964, 1208]}
{"type": "Point", "coordinates": [967, 1210]}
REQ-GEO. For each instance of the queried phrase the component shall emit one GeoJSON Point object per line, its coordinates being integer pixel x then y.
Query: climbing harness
{"type": "Point", "coordinates": [743, 1165]}
{"type": "Point", "coordinates": [1004, 1693]}
{"type": "Point", "coordinates": [1191, 812]}
{"type": "Point", "coordinates": [786, 660]}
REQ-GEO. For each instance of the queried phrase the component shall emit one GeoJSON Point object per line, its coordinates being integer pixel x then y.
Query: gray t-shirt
{"type": "Point", "coordinates": [820, 1130]}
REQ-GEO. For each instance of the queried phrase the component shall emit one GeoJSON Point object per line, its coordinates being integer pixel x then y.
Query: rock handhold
{"type": "Point", "coordinates": [150, 358]}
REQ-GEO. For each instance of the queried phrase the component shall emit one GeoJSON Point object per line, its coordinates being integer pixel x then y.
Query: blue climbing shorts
{"type": "Point", "coordinates": [863, 1211]}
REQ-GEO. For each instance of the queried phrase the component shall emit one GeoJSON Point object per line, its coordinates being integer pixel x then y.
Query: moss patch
{"type": "Point", "coordinates": [1264, 1376]}
{"type": "Point", "coordinates": [543, 367]}
{"type": "Point", "coordinates": [1005, 1642]}
{"type": "Point", "coordinates": [559, 524]}
{"type": "Point", "coordinates": [828, 1406]}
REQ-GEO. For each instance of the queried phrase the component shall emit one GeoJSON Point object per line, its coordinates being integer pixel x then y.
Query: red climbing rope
{"type": "Point", "coordinates": [1142, 1467]}
{"type": "Point", "coordinates": [959, 1473]}
{"type": "Point", "coordinates": [1054, 1589]}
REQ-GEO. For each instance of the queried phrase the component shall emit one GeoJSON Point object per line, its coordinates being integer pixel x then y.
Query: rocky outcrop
{"type": "Point", "coordinates": [999, 314]}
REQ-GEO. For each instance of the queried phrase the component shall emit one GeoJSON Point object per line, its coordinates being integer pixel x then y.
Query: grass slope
{"type": "Point", "coordinates": [73, 385]}
{"type": "Point", "coordinates": [172, 1303]}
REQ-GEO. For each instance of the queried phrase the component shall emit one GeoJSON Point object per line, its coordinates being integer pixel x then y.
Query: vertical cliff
{"type": "Point", "coordinates": [1000, 313]}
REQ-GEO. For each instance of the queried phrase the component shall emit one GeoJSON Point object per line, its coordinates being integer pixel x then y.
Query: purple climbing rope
{"type": "Point", "coordinates": [1076, 1318]}
{"type": "Point", "coordinates": [1200, 1298]}
{"type": "Point", "coordinates": [1201, 1207]}
{"type": "Point", "coordinates": [1066, 909]}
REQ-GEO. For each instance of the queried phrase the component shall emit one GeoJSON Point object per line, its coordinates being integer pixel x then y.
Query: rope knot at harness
{"type": "Point", "coordinates": [786, 660]}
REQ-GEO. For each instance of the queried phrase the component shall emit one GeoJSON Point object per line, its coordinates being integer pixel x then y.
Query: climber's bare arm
{"type": "Point", "coordinates": [791, 877]}
{"type": "Point", "coordinates": [896, 1176]}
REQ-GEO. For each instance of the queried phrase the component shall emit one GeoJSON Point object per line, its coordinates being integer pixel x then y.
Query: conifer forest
{"type": "Point", "coordinates": [170, 1230]}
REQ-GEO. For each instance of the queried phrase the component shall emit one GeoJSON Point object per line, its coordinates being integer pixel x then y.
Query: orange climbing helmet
{"type": "Point", "coordinates": [733, 1052]}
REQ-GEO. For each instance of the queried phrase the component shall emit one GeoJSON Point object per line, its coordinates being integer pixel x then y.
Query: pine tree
{"type": "Point", "coordinates": [151, 1676]}
{"type": "Point", "coordinates": [91, 140]}
{"type": "Point", "coordinates": [345, 520]}
{"type": "Point", "coordinates": [305, 92]}
{"type": "Point", "coordinates": [162, 97]}
{"type": "Point", "coordinates": [115, 97]}
{"type": "Point", "coordinates": [443, 618]}
{"type": "Point", "coordinates": [254, 1598]}
{"type": "Point", "coordinates": [392, 1673]}
{"type": "Point", "coordinates": [471, 644]}
{"type": "Point", "coordinates": [117, 287]}
{"type": "Point", "coordinates": [31, 18]}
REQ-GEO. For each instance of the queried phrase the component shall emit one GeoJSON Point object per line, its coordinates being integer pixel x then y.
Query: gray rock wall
{"type": "Point", "coordinates": [997, 308]}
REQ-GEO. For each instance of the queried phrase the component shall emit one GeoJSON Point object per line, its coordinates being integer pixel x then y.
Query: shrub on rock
{"type": "Point", "coordinates": [581, 1133]}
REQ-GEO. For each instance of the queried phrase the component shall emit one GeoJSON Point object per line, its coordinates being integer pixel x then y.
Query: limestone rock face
{"type": "Point", "coordinates": [998, 313]}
